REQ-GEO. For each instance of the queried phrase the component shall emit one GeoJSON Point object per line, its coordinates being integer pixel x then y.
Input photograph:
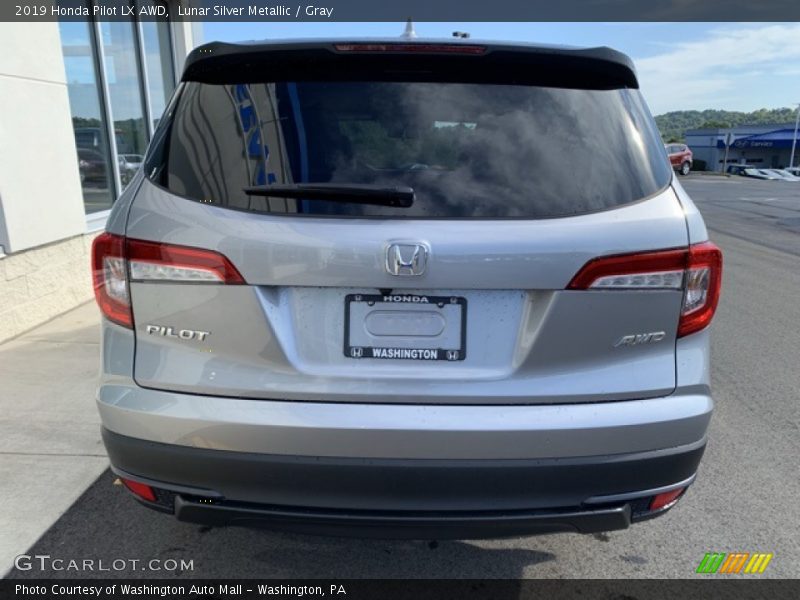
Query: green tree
{"type": "Point", "coordinates": [673, 125]}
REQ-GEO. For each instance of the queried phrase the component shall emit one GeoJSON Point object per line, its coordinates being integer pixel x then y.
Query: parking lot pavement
{"type": "Point", "coordinates": [766, 213]}
{"type": "Point", "coordinates": [744, 498]}
{"type": "Point", "coordinates": [50, 448]}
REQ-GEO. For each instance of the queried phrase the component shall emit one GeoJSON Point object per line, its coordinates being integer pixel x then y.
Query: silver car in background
{"type": "Point", "coordinates": [781, 174]}
{"type": "Point", "coordinates": [406, 288]}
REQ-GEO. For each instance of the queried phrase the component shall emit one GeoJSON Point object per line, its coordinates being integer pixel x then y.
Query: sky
{"type": "Point", "coordinates": [681, 66]}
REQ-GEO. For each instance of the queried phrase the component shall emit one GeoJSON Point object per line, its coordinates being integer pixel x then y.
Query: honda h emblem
{"type": "Point", "coordinates": [406, 259]}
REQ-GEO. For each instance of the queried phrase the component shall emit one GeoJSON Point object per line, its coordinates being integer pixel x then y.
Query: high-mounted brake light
{"type": "Point", "coordinates": [413, 48]}
{"type": "Point", "coordinates": [697, 270]}
{"type": "Point", "coordinates": [117, 260]}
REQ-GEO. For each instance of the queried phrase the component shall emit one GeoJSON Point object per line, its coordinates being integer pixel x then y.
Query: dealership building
{"type": "Point", "coordinates": [79, 101]}
{"type": "Point", "coordinates": [767, 146]}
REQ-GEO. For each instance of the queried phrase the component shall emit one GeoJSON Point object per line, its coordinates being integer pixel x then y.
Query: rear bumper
{"type": "Point", "coordinates": [408, 498]}
{"type": "Point", "coordinates": [410, 431]}
{"type": "Point", "coordinates": [410, 525]}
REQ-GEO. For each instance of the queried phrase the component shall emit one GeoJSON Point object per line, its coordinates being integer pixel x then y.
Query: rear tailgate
{"type": "Point", "coordinates": [528, 338]}
{"type": "Point", "coordinates": [461, 298]}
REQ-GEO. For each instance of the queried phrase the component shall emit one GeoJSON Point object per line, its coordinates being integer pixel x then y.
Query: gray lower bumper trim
{"type": "Point", "coordinates": [407, 525]}
{"type": "Point", "coordinates": [641, 494]}
{"type": "Point", "coordinates": [353, 484]}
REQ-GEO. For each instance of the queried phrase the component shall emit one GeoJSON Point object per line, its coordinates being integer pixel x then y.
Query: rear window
{"type": "Point", "coordinates": [467, 150]}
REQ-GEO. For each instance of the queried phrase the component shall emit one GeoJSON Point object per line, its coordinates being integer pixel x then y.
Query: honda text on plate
{"type": "Point", "coordinates": [406, 288]}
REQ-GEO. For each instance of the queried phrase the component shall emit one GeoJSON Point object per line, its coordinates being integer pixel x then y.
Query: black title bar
{"type": "Point", "coordinates": [702, 587]}
{"type": "Point", "coordinates": [418, 10]}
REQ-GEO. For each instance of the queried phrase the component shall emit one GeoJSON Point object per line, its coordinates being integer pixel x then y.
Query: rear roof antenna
{"type": "Point", "coordinates": [409, 32]}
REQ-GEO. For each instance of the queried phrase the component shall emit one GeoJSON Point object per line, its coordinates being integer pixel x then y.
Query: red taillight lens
{"type": "Point", "coordinates": [413, 48]}
{"type": "Point", "coordinates": [152, 261]}
{"type": "Point", "coordinates": [697, 270]}
{"type": "Point", "coordinates": [116, 260]}
{"type": "Point", "coordinates": [703, 285]}
{"type": "Point", "coordinates": [633, 271]}
{"type": "Point", "coordinates": [666, 499]}
{"type": "Point", "coordinates": [142, 490]}
{"type": "Point", "coordinates": [110, 274]}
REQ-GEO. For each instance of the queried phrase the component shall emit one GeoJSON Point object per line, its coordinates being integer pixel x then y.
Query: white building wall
{"type": "Point", "coordinates": [44, 238]}
{"type": "Point", "coordinates": [185, 36]}
{"type": "Point", "coordinates": [40, 192]}
{"type": "Point", "coordinates": [45, 268]}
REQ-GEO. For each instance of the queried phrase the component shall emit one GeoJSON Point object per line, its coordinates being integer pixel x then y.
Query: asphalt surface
{"type": "Point", "coordinates": [745, 497]}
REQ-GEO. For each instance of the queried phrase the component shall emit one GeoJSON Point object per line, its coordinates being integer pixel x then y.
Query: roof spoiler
{"type": "Point", "coordinates": [451, 61]}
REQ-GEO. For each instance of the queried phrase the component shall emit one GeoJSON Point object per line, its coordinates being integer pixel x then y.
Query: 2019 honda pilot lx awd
{"type": "Point", "coordinates": [406, 288]}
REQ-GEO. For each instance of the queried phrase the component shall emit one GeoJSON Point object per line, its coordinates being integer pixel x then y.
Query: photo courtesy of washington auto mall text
{"type": "Point", "coordinates": [173, 590]}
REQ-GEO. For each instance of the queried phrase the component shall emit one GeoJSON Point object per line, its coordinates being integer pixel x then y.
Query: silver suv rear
{"type": "Point", "coordinates": [407, 289]}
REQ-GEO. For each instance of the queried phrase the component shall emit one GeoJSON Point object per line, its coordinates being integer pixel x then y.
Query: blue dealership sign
{"type": "Point", "coordinates": [780, 138]}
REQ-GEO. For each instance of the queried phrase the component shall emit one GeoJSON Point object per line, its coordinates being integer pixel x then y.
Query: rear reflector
{"type": "Point", "coordinates": [117, 260]}
{"type": "Point", "coordinates": [697, 270]}
{"type": "Point", "coordinates": [666, 500]}
{"type": "Point", "coordinates": [416, 48]}
{"type": "Point", "coordinates": [144, 491]}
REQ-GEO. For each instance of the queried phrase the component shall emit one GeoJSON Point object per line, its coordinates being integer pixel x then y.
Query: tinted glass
{"type": "Point", "coordinates": [124, 90]}
{"type": "Point", "coordinates": [88, 120]}
{"type": "Point", "coordinates": [468, 150]}
{"type": "Point", "coordinates": [158, 58]}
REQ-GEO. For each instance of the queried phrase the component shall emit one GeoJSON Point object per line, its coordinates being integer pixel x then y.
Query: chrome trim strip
{"type": "Point", "coordinates": [641, 494]}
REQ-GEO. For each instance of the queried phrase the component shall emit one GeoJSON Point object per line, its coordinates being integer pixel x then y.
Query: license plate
{"type": "Point", "coordinates": [405, 327]}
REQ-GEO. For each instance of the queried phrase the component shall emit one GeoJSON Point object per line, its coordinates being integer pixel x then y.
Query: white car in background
{"type": "Point", "coordinates": [128, 165]}
{"type": "Point", "coordinates": [782, 174]}
{"type": "Point", "coordinates": [751, 172]}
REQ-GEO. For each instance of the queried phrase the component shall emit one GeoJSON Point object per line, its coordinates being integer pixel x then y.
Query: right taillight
{"type": "Point", "coordinates": [117, 260]}
{"type": "Point", "coordinates": [701, 288]}
{"type": "Point", "coordinates": [697, 270]}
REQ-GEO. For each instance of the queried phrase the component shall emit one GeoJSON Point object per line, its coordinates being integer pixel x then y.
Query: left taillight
{"type": "Point", "coordinates": [110, 273]}
{"type": "Point", "coordinates": [696, 270]}
{"type": "Point", "coordinates": [117, 260]}
{"type": "Point", "coordinates": [154, 261]}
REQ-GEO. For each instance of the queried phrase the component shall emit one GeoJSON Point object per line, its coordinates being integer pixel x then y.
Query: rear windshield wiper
{"type": "Point", "coordinates": [398, 196]}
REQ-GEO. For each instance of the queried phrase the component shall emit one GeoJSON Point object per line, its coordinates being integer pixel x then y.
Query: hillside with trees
{"type": "Point", "coordinates": [674, 124]}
